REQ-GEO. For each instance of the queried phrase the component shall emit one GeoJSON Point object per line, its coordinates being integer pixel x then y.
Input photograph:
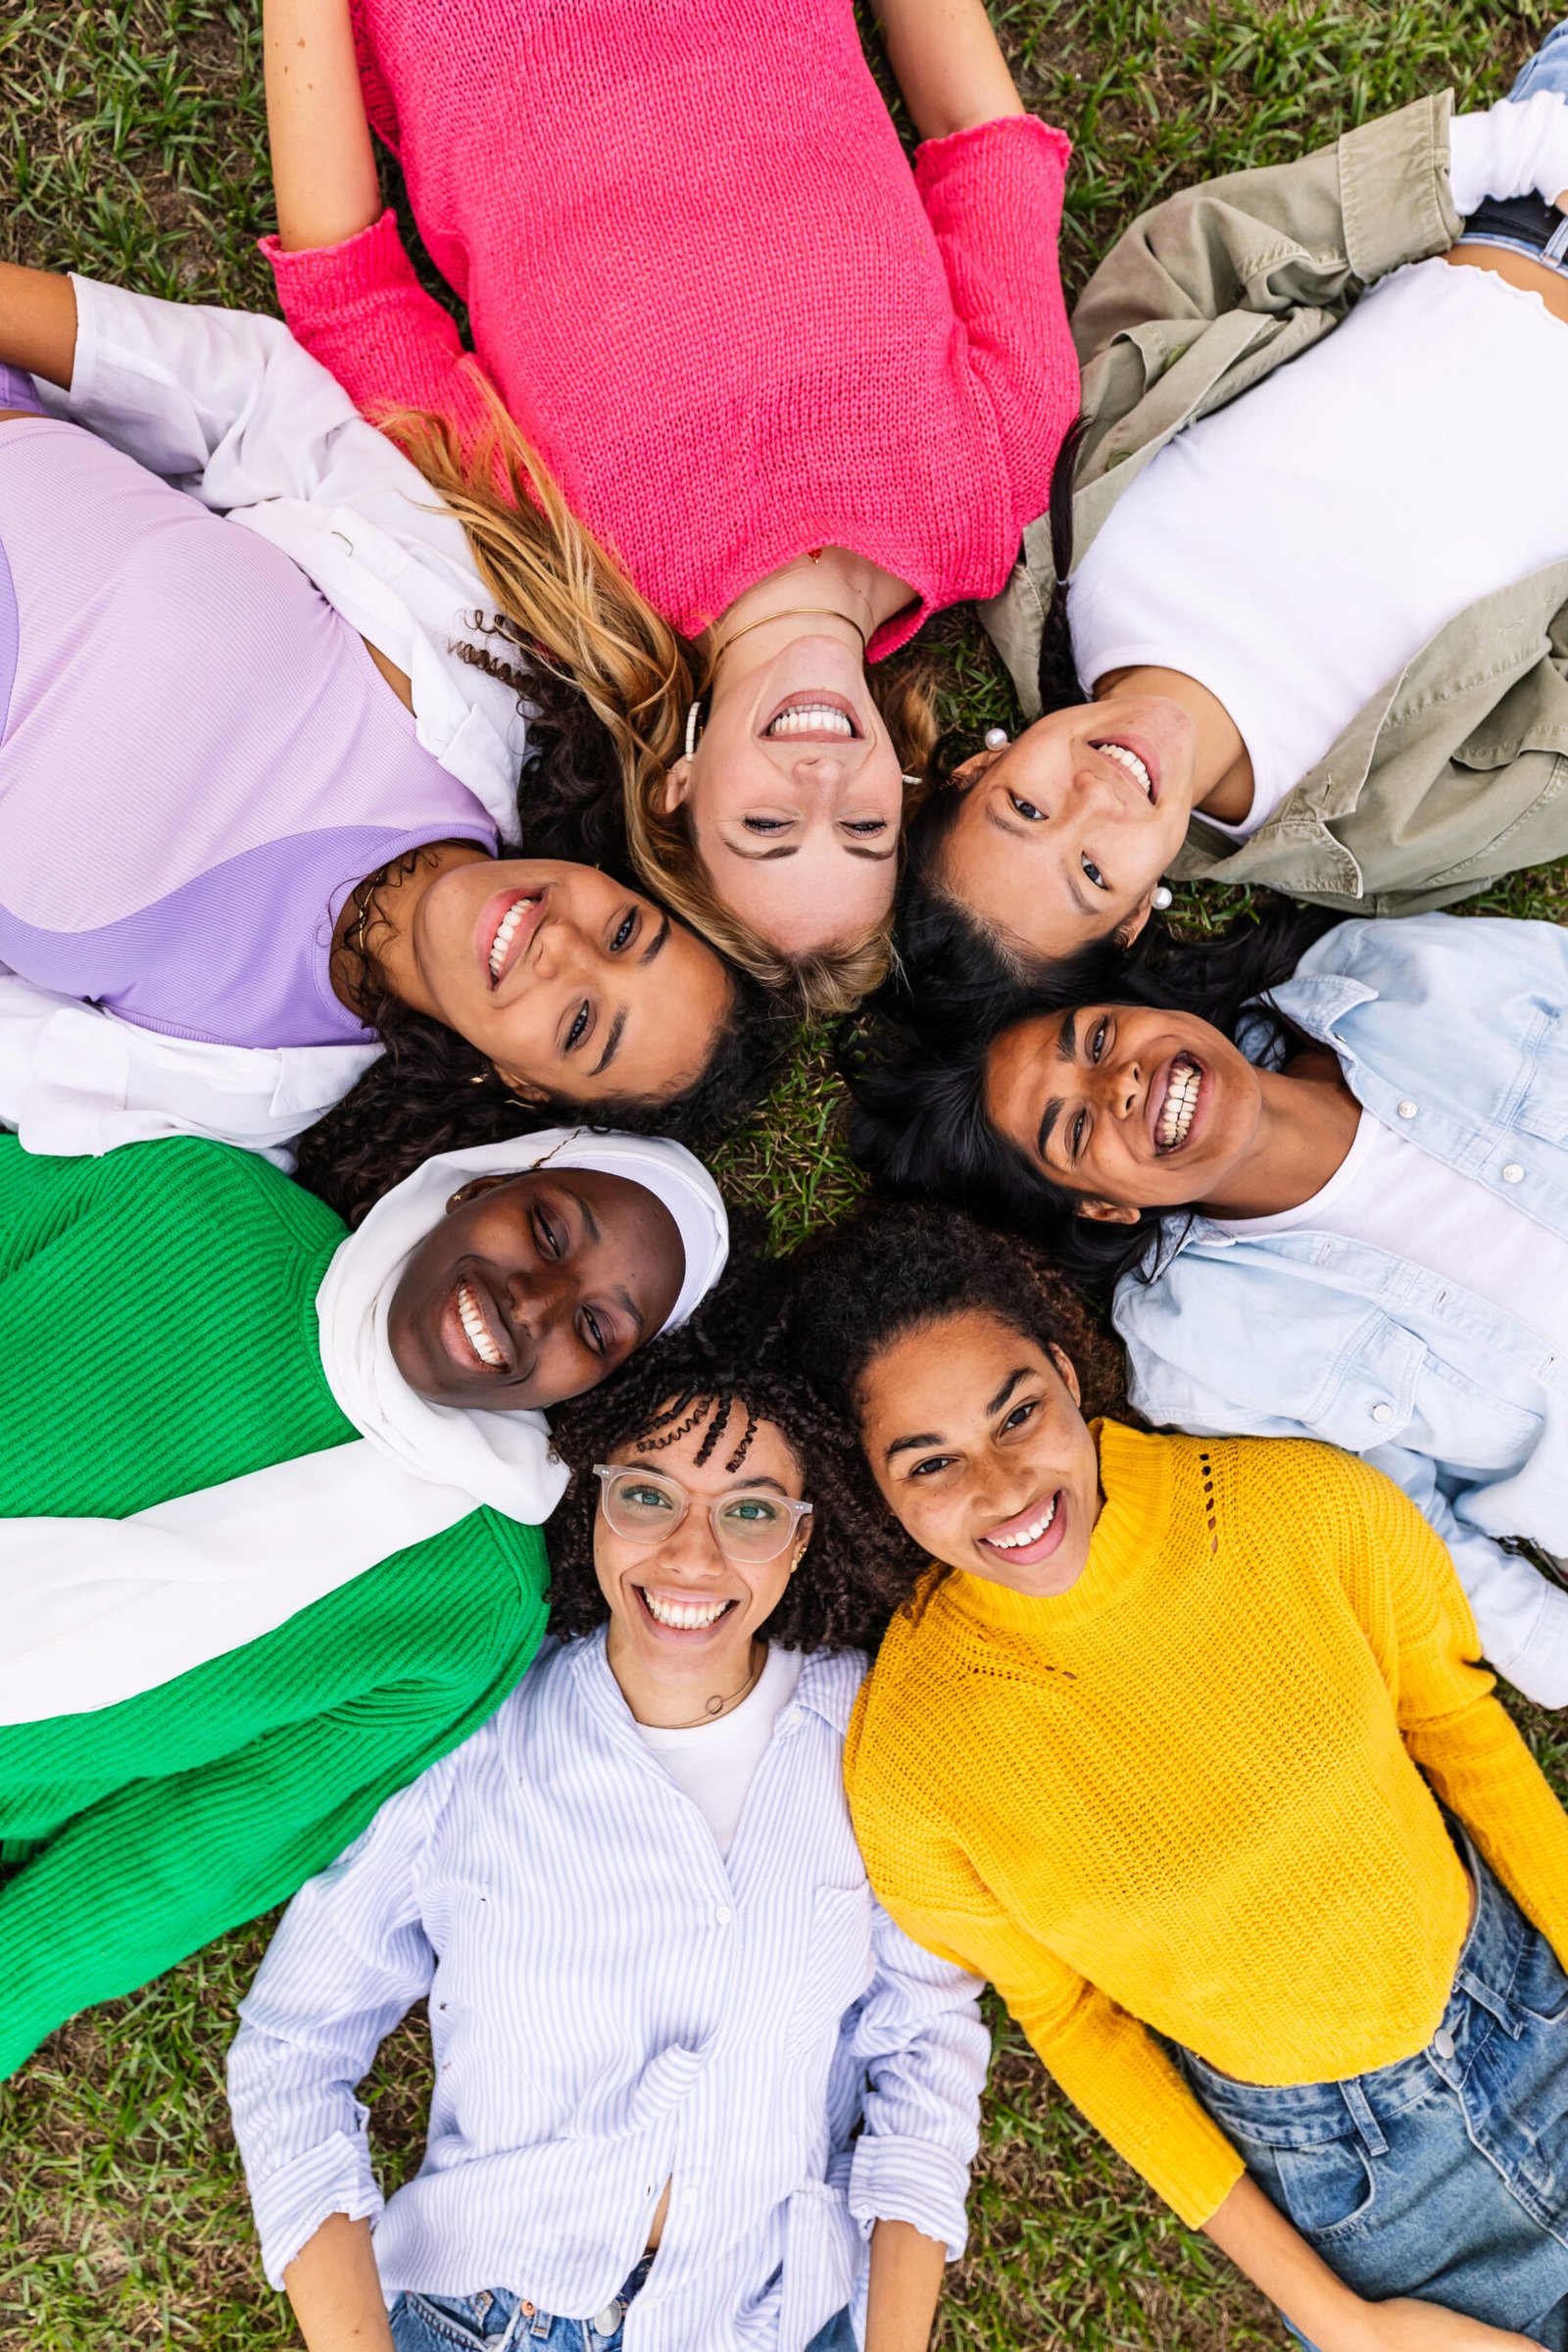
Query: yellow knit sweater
{"type": "Point", "coordinates": [1190, 1791]}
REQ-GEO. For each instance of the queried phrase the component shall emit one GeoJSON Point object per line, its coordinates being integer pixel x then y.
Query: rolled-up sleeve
{"type": "Point", "coordinates": [349, 1960]}
{"type": "Point", "coordinates": [925, 2048]}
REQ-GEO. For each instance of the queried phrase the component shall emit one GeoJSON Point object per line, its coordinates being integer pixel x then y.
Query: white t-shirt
{"type": "Point", "coordinates": [1388, 1192]}
{"type": "Point", "coordinates": [713, 1763]}
{"type": "Point", "coordinates": [1293, 551]}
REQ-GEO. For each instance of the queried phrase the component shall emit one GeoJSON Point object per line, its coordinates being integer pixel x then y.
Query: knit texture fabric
{"type": "Point", "coordinates": [158, 1335]}
{"type": "Point", "coordinates": [709, 289]}
{"type": "Point", "coordinates": [1189, 1789]}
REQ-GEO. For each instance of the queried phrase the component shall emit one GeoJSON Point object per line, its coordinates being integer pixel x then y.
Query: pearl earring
{"type": "Point", "coordinates": [692, 716]}
{"type": "Point", "coordinates": [995, 737]}
{"type": "Point", "coordinates": [1160, 899]}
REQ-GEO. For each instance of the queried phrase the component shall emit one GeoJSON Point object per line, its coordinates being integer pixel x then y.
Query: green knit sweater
{"type": "Point", "coordinates": [158, 1335]}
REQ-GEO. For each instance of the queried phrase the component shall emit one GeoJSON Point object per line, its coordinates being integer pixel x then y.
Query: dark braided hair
{"type": "Point", "coordinates": [918, 1123]}
{"type": "Point", "coordinates": [723, 1372]}
{"type": "Point", "coordinates": [431, 1091]}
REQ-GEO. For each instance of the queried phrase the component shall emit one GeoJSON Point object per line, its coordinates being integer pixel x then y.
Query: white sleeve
{"type": "Point", "coordinates": [925, 2048]}
{"type": "Point", "coordinates": [1515, 149]}
{"type": "Point", "coordinates": [348, 1962]}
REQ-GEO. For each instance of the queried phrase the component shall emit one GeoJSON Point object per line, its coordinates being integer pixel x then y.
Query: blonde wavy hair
{"type": "Point", "coordinates": [561, 598]}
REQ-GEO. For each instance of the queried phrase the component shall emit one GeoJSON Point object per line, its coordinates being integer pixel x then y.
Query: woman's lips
{"type": "Point", "coordinates": [471, 1322]}
{"type": "Point", "coordinates": [1110, 745]}
{"type": "Point", "coordinates": [1033, 1535]}
{"type": "Point", "coordinates": [506, 923]}
{"type": "Point", "coordinates": [688, 1618]}
{"type": "Point", "coordinates": [1178, 1102]}
{"type": "Point", "coordinates": [805, 701]}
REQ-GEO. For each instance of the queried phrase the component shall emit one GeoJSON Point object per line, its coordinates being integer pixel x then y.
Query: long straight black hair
{"type": "Point", "coordinates": [916, 1074]}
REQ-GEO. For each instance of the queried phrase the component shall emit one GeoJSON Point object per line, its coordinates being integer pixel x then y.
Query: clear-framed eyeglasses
{"type": "Point", "coordinates": [750, 1525]}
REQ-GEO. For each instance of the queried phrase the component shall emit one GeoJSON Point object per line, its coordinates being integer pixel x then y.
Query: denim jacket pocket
{"type": "Point", "coordinates": [1544, 1107]}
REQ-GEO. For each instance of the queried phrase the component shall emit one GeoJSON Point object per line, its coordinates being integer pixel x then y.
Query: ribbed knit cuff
{"type": "Point", "coordinates": [373, 259]}
{"type": "Point", "coordinates": [934, 157]}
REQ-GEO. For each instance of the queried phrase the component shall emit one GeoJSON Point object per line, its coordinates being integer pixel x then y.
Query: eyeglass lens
{"type": "Point", "coordinates": [646, 1506]}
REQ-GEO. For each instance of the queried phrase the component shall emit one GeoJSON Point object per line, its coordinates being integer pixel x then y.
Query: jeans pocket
{"type": "Point", "coordinates": [1540, 1988]}
{"type": "Point", "coordinates": [433, 2324]}
{"type": "Point", "coordinates": [1327, 2189]}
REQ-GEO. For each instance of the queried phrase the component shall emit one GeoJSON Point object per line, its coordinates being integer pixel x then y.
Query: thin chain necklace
{"type": "Point", "coordinates": [718, 1706]}
{"type": "Point", "coordinates": [788, 613]}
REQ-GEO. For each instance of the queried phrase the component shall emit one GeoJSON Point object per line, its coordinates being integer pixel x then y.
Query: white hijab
{"type": "Point", "coordinates": [96, 1610]}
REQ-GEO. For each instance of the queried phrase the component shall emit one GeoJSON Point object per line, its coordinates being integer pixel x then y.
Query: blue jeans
{"type": "Point", "coordinates": [501, 2321]}
{"type": "Point", "coordinates": [1525, 223]}
{"type": "Point", "coordinates": [1443, 2175]}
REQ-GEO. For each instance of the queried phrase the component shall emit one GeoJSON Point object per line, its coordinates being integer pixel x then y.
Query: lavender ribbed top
{"type": "Point", "coordinates": [198, 757]}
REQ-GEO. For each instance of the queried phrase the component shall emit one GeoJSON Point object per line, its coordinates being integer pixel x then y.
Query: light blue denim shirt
{"type": "Point", "coordinates": [1451, 1031]}
{"type": "Point", "coordinates": [615, 2007]}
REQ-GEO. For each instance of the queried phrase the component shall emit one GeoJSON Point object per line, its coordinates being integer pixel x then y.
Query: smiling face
{"type": "Point", "coordinates": [533, 1288]}
{"type": "Point", "coordinates": [575, 987]}
{"type": "Point", "coordinates": [795, 796]}
{"type": "Point", "coordinates": [973, 1434]}
{"type": "Point", "coordinates": [1063, 836]}
{"type": "Point", "coordinates": [1130, 1107]}
{"type": "Point", "coordinates": [680, 1610]}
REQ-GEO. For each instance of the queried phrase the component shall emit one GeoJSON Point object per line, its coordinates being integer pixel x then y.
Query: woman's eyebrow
{"type": "Point", "coordinates": [909, 1444]}
{"type": "Point", "coordinates": [656, 943]}
{"type": "Point", "coordinates": [1006, 1391]}
{"type": "Point", "coordinates": [611, 1045]}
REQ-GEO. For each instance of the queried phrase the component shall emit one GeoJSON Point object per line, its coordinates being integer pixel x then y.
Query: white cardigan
{"type": "Point", "coordinates": [227, 405]}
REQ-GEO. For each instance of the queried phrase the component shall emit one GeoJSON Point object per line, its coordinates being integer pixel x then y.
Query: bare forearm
{"type": "Point", "coordinates": [323, 164]}
{"type": "Point", "coordinates": [948, 64]}
{"type": "Point", "coordinates": [1273, 2254]}
{"type": "Point", "coordinates": [903, 2289]}
{"type": "Point", "coordinates": [39, 322]}
{"type": "Point", "coordinates": [335, 2290]}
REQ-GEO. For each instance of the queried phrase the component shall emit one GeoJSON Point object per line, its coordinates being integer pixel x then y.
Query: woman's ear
{"type": "Point", "coordinates": [526, 1090]}
{"type": "Point", "coordinates": [677, 784]}
{"type": "Point", "coordinates": [1132, 925]}
{"type": "Point", "coordinates": [1109, 1213]}
{"type": "Point", "coordinates": [1069, 1375]}
{"type": "Point", "coordinates": [972, 769]}
{"type": "Point", "coordinates": [473, 1188]}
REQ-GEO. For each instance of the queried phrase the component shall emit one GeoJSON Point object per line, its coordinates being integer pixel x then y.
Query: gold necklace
{"type": "Point", "coordinates": [788, 613]}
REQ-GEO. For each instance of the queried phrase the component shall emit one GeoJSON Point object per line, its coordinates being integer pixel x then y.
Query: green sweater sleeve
{"type": "Point", "coordinates": [193, 1831]}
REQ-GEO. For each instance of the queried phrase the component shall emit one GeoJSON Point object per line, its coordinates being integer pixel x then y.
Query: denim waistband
{"type": "Point", "coordinates": [1525, 224]}
{"type": "Point", "coordinates": [1303, 2114]}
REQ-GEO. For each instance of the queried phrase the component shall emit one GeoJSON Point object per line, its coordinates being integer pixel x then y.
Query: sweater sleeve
{"type": "Point", "coordinates": [360, 309]}
{"type": "Point", "coordinates": [993, 196]}
{"type": "Point", "coordinates": [345, 1703]}
{"type": "Point", "coordinates": [1453, 1723]}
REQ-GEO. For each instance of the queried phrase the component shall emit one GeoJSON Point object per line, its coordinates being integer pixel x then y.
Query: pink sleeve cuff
{"type": "Point", "coordinates": [934, 158]}
{"type": "Point", "coordinates": [369, 262]}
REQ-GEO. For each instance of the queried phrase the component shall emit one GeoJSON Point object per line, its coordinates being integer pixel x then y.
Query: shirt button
{"type": "Point", "coordinates": [1513, 1173]}
{"type": "Point", "coordinates": [1443, 2043]}
{"type": "Point", "coordinates": [724, 1915]}
{"type": "Point", "coordinates": [1407, 1111]}
{"type": "Point", "coordinates": [608, 2320]}
{"type": "Point", "coordinates": [1382, 1413]}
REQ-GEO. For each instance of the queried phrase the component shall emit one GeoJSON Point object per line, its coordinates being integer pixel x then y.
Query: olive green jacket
{"type": "Point", "coordinates": [1457, 770]}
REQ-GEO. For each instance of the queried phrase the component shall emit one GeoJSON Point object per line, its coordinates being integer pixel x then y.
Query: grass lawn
{"type": "Point", "coordinates": [133, 146]}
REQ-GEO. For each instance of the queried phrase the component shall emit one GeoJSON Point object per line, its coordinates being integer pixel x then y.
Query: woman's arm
{"type": "Point", "coordinates": [323, 165]}
{"type": "Point", "coordinates": [946, 62]}
{"type": "Point", "coordinates": [39, 322]}
{"type": "Point", "coordinates": [1264, 2245]}
{"type": "Point", "coordinates": [905, 2285]}
{"type": "Point", "coordinates": [335, 2290]}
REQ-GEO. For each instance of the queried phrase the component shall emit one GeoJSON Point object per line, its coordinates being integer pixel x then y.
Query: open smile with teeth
{"type": "Point", "coordinates": [1182, 1088]}
{"type": "Point", "coordinates": [1025, 1535]}
{"type": "Point", "coordinates": [1131, 762]}
{"type": "Point", "coordinates": [481, 1337]}
{"type": "Point", "coordinates": [805, 717]}
{"type": "Point", "coordinates": [506, 932]}
{"type": "Point", "coordinates": [683, 1616]}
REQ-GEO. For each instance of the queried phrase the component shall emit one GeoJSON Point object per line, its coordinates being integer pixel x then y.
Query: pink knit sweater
{"type": "Point", "coordinates": [709, 289]}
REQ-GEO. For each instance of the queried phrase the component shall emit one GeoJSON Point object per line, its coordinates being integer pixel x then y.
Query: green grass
{"type": "Point", "coordinates": [132, 145]}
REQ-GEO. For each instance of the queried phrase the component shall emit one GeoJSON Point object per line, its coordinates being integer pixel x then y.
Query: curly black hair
{"type": "Point", "coordinates": [431, 1091]}
{"type": "Point", "coordinates": [898, 1266]}
{"type": "Point", "coordinates": [725, 1370]}
{"type": "Point", "coordinates": [916, 1074]}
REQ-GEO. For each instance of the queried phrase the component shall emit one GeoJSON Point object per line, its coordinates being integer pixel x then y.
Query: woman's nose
{"type": "Point", "coordinates": [692, 1548]}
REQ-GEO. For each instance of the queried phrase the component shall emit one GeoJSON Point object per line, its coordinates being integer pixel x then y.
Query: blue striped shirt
{"type": "Point", "coordinates": [612, 2006]}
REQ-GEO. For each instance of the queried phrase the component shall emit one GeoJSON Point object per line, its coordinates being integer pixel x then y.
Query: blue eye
{"type": "Point", "coordinates": [1093, 873]}
{"type": "Point", "coordinates": [1026, 809]}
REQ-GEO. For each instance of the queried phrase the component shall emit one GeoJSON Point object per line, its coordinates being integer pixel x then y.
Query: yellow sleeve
{"type": "Point", "coordinates": [1108, 2065]}
{"type": "Point", "coordinates": [1453, 1724]}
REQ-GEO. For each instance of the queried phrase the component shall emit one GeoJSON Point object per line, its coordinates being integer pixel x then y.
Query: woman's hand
{"type": "Point", "coordinates": [323, 164]}
{"type": "Point", "coordinates": [947, 65]}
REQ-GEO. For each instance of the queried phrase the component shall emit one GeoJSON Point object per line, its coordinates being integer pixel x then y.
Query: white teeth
{"type": "Point", "coordinates": [1181, 1101]}
{"type": "Point", "coordinates": [477, 1329]}
{"type": "Point", "coordinates": [1131, 762]}
{"type": "Point", "coordinates": [811, 718]}
{"type": "Point", "coordinates": [683, 1616]}
{"type": "Point", "coordinates": [506, 933]}
{"type": "Point", "coordinates": [1030, 1535]}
